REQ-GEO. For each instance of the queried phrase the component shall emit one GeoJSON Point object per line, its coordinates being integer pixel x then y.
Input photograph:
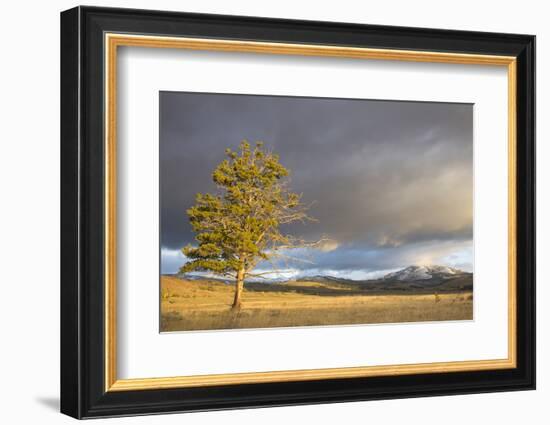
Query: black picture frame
{"type": "Point", "coordinates": [83, 392]}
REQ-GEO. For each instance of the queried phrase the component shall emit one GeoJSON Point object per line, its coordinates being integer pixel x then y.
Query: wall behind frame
{"type": "Point", "coordinates": [29, 219]}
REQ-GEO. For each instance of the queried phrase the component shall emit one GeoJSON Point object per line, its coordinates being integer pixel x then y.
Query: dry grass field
{"type": "Point", "coordinates": [203, 304]}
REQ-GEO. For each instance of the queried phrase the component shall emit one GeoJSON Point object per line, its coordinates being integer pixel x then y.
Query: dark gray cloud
{"type": "Point", "coordinates": [388, 179]}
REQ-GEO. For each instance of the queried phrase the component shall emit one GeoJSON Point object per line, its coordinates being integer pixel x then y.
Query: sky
{"type": "Point", "coordinates": [390, 182]}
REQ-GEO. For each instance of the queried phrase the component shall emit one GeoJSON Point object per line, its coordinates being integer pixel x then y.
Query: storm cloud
{"type": "Point", "coordinates": [390, 182]}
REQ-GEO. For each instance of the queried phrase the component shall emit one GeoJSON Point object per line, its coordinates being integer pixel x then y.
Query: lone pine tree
{"type": "Point", "coordinates": [239, 226]}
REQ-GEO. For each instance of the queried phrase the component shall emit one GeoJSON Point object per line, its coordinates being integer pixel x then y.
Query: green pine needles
{"type": "Point", "coordinates": [240, 225]}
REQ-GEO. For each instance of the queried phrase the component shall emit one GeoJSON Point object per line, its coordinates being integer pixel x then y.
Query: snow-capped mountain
{"type": "Point", "coordinates": [414, 273]}
{"type": "Point", "coordinates": [409, 278]}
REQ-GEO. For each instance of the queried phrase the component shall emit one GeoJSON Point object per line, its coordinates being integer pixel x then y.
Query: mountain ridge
{"type": "Point", "coordinates": [414, 273]}
{"type": "Point", "coordinates": [409, 273]}
{"type": "Point", "coordinates": [413, 276]}
{"type": "Point", "coordinates": [409, 280]}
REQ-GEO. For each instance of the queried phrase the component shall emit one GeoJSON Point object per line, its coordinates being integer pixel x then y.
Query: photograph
{"type": "Point", "coordinates": [287, 211]}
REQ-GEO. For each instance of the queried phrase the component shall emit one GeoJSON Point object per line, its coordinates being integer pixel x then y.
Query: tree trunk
{"type": "Point", "coordinates": [238, 289]}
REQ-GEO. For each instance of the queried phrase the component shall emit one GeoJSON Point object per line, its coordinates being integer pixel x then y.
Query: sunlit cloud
{"type": "Point", "coordinates": [171, 260]}
{"type": "Point", "coordinates": [327, 245]}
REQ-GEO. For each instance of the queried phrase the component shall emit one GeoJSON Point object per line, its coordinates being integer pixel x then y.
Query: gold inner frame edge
{"type": "Point", "coordinates": [113, 41]}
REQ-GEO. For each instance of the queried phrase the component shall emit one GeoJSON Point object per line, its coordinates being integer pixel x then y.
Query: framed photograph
{"type": "Point", "coordinates": [261, 212]}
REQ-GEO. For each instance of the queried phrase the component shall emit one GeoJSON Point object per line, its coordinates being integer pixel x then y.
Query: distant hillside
{"type": "Point", "coordinates": [412, 279]}
{"type": "Point", "coordinates": [416, 273]}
